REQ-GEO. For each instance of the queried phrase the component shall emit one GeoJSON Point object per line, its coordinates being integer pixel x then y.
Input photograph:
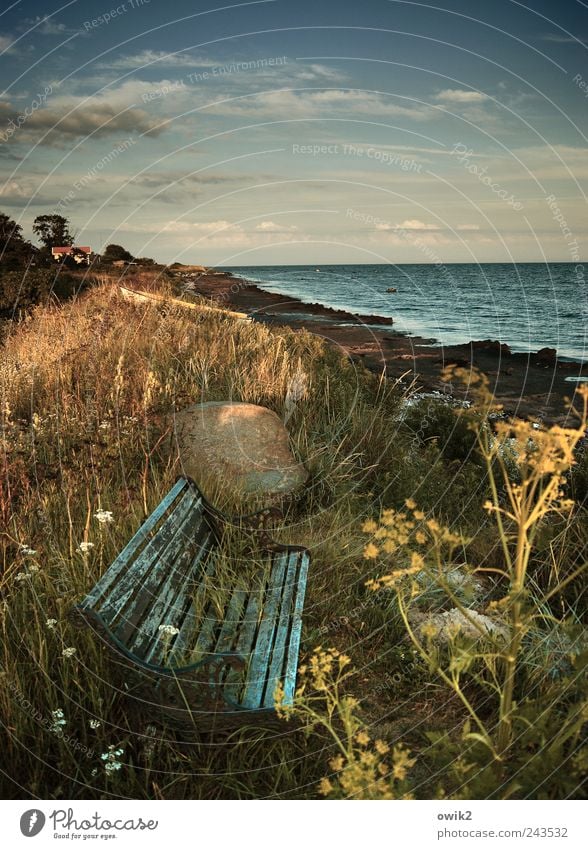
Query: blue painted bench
{"type": "Point", "coordinates": [202, 653]}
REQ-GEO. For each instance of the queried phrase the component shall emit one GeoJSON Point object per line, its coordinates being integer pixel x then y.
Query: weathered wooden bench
{"type": "Point", "coordinates": [201, 652]}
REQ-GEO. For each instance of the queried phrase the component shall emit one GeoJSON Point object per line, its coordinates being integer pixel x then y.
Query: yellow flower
{"type": "Point", "coordinates": [363, 738]}
{"type": "Point", "coordinates": [325, 787]}
{"type": "Point", "coordinates": [336, 764]}
{"type": "Point", "coordinates": [410, 503]}
{"type": "Point", "coordinates": [371, 551]}
{"type": "Point", "coordinates": [369, 527]}
{"type": "Point", "coordinates": [381, 747]}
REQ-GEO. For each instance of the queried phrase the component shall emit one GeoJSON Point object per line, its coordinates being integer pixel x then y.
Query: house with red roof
{"type": "Point", "coordinates": [81, 253]}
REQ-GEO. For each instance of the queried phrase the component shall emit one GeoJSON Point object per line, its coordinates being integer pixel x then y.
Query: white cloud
{"type": "Point", "coordinates": [415, 224]}
{"type": "Point", "coordinates": [286, 103]}
{"type": "Point", "coordinates": [44, 25]}
{"type": "Point", "coordinates": [272, 227]}
{"type": "Point", "coordinates": [5, 43]}
{"type": "Point", "coordinates": [458, 95]}
{"type": "Point", "coordinates": [222, 233]}
{"type": "Point", "coordinates": [563, 39]}
{"type": "Point", "coordinates": [157, 57]}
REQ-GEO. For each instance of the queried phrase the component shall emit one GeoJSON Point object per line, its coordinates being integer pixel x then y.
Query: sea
{"type": "Point", "coordinates": [528, 306]}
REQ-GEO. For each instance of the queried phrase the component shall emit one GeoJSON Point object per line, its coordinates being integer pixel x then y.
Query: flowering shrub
{"type": "Point", "coordinates": [362, 768]}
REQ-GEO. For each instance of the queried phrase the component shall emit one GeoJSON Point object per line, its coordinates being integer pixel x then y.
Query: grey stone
{"type": "Point", "coordinates": [242, 446]}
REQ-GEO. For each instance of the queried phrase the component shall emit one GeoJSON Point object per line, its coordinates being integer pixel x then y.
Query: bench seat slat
{"type": "Point", "coordinates": [194, 613]}
{"type": "Point", "coordinates": [296, 630]}
{"type": "Point", "coordinates": [208, 627]}
{"type": "Point", "coordinates": [231, 620]}
{"type": "Point", "coordinates": [109, 578]}
{"type": "Point", "coordinates": [282, 629]}
{"type": "Point", "coordinates": [169, 604]}
{"type": "Point", "coordinates": [245, 640]}
{"type": "Point", "coordinates": [256, 676]}
{"type": "Point", "coordinates": [128, 609]}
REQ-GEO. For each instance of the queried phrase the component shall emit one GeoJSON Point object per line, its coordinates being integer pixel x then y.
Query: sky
{"type": "Point", "coordinates": [311, 132]}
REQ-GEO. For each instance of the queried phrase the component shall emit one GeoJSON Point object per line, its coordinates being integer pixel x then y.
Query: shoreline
{"type": "Point", "coordinates": [528, 385]}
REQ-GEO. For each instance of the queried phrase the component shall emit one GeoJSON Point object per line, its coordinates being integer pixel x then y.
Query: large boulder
{"type": "Point", "coordinates": [242, 446]}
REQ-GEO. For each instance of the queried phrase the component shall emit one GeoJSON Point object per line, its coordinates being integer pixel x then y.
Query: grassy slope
{"type": "Point", "coordinates": [86, 393]}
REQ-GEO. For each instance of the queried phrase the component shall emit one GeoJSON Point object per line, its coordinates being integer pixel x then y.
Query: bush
{"type": "Point", "coordinates": [20, 292]}
{"type": "Point", "coordinates": [430, 420]}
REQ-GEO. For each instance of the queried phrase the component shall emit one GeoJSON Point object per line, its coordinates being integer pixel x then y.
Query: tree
{"type": "Point", "coordinates": [14, 250]}
{"type": "Point", "coordinates": [116, 252]}
{"type": "Point", "coordinates": [53, 231]}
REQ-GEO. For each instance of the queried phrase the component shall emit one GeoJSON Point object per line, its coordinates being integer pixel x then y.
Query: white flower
{"type": "Point", "coordinates": [69, 652]}
{"type": "Point", "coordinates": [85, 547]}
{"type": "Point", "coordinates": [169, 630]}
{"type": "Point", "coordinates": [33, 568]}
{"type": "Point", "coordinates": [110, 758]}
{"type": "Point", "coordinates": [51, 623]}
{"type": "Point", "coordinates": [104, 516]}
{"type": "Point", "coordinates": [58, 720]}
{"type": "Point", "coordinates": [26, 551]}
{"type": "Point", "coordinates": [94, 723]}
{"type": "Point", "coordinates": [21, 576]}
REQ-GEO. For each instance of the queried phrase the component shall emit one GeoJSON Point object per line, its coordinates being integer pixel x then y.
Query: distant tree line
{"type": "Point", "coordinates": [29, 274]}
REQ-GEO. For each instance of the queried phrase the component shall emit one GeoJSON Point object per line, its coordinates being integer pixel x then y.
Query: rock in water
{"type": "Point", "coordinates": [243, 446]}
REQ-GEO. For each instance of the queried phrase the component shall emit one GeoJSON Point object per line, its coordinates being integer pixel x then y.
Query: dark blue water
{"type": "Point", "coordinates": [528, 306]}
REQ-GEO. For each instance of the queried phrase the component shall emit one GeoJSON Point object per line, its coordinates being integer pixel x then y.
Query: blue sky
{"type": "Point", "coordinates": [311, 132]}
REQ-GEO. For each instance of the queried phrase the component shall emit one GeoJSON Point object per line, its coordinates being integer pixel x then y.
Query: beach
{"type": "Point", "coordinates": [530, 385]}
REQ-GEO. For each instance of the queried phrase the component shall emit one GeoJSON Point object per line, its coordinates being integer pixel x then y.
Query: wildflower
{"type": "Point", "coordinates": [68, 652]}
{"type": "Point", "coordinates": [169, 630]}
{"type": "Point", "coordinates": [363, 738]}
{"type": "Point", "coordinates": [51, 623]}
{"type": "Point", "coordinates": [21, 576]}
{"type": "Point", "coordinates": [94, 723]}
{"type": "Point", "coordinates": [325, 787]}
{"type": "Point", "coordinates": [26, 551]}
{"type": "Point", "coordinates": [104, 516]}
{"type": "Point", "coordinates": [110, 758]}
{"type": "Point", "coordinates": [369, 527]}
{"type": "Point", "coordinates": [85, 547]}
{"type": "Point", "coordinates": [58, 720]}
{"type": "Point", "coordinates": [371, 551]}
{"type": "Point", "coordinates": [337, 763]}
{"type": "Point", "coordinates": [410, 503]}
{"type": "Point", "coordinates": [402, 762]}
{"type": "Point", "coordinates": [33, 568]}
{"type": "Point", "coordinates": [381, 747]}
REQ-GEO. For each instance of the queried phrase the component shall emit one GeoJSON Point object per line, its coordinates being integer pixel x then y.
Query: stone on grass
{"type": "Point", "coordinates": [443, 627]}
{"type": "Point", "coordinates": [243, 447]}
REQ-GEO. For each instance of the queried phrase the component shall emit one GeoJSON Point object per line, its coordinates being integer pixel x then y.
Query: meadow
{"type": "Point", "coordinates": [414, 508]}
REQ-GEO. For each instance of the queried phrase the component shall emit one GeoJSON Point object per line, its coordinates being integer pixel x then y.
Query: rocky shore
{"type": "Point", "coordinates": [531, 385]}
